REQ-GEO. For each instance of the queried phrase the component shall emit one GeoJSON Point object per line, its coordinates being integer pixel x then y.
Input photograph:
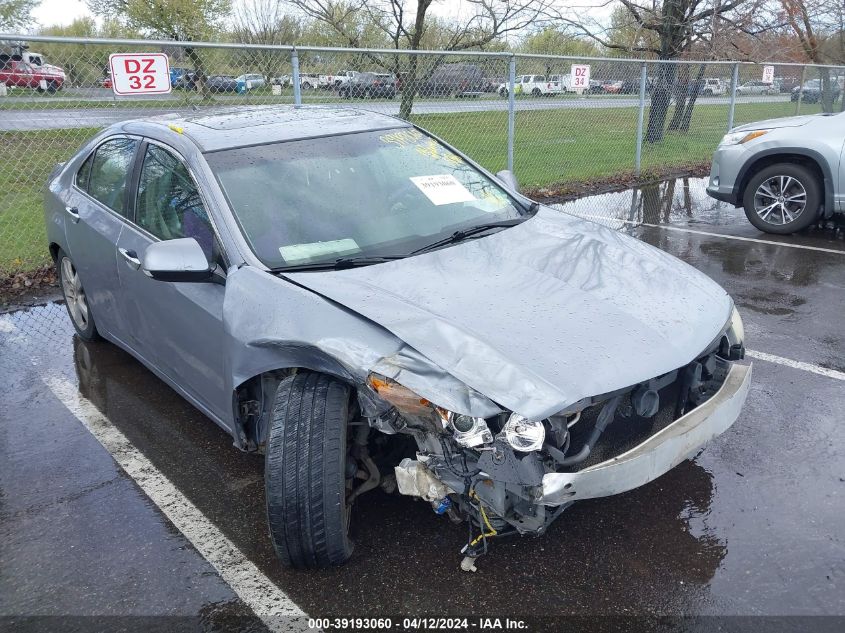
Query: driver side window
{"type": "Point", "coordinates": [168, 204]}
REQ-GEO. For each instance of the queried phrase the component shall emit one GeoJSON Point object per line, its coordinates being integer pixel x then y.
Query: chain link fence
{"type": "Point", "coordinates": [525, 112]}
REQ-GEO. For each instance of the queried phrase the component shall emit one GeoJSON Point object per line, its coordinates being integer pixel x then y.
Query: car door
{"type": "Point", "coordinates": [175, 326]}
{"type": "Point", "coordinates": [96, 205]}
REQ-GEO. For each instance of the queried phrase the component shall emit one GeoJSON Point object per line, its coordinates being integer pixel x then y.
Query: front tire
{"type": "Point", "coordinates": [305, 472]}
{"type": "Point", "coordinates": [782, 198]}
{"type": "Point", "coordinates": [76, 301]}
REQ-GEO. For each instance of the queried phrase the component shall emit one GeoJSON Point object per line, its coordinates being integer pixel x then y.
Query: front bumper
{"type": "Point", "coordinates": [659, 453]}
{"type": "Point", "coordinates": [728, 161]}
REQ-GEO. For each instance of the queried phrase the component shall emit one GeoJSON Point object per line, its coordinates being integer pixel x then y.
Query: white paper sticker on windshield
{"type": "Point", "coordinates": [443, 189]}
{"type": "Point", "coordinates": [305, 252]}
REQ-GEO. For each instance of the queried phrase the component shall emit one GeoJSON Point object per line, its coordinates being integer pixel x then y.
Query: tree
{"type": "Point", "coordinates": [15, 15]}
{"type": "Point", "coordinates": [406, 24]}
{"type": "Point", "coordinates": [85, 64]}
{"type": "Point", "coordinates": [184, 20]}
{"type": "Point", "coordinates": [814, 23]}
{"type": "Point", "coordinates": [666, 29]}
{"type": "Point", "coordinates": [264, 22]}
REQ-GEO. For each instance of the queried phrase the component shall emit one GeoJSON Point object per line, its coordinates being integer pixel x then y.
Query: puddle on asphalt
{"type": "Point", "coordinates": [682, 202]}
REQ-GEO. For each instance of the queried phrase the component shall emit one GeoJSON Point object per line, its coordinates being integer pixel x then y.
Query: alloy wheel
{"type": "Point", "coordinates": [780, 200]}
{"type": "Point", "coordinates": [77, 303]}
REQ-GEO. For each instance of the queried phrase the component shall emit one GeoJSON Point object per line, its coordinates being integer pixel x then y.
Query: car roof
{"type": "Point", "coordinates": [228, 128]}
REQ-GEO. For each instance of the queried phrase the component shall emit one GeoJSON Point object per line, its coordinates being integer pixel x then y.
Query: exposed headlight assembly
{"type": "Point", "coordinates": [523, 434]}
{"type": "Point", "coordinates": [738, 138]}
{"type": "Point", "coordinates": [467, 430]}
{"type": "Point", "coordinates": [732, 346]}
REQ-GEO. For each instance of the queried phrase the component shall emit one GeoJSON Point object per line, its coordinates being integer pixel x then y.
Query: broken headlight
{"type": "Point", "coordinates": [400, 397]}
{"type": "Point", "coordinates": [523, 434]}
{"type": "Point", "coordinates": [467, 430]}
{"type": "Point", "coordinates": [732, 346]}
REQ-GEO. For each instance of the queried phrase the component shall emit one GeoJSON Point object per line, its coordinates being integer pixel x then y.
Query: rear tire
{"type": "Point", "coordinates": [769, 205]}
{"type": "Point", "coordinates": [305, 472]}
{"type": "Point", "coordinates": [76, 300]}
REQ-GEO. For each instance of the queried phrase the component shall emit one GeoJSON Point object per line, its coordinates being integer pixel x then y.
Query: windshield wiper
{"type": "Point", "coordinates": [462, 234]}
{"type": "Point", "coordinates": [339, 263]}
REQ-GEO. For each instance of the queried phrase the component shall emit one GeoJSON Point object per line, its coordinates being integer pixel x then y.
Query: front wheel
{"type": "Point", "coordinates": [76, 300]}
{"type": "Point", "coordinates": [782, 198]}
{"type": "Point", "coordinates": [536, 92]}
{"type": "Point", "coordinates": [305, 472]}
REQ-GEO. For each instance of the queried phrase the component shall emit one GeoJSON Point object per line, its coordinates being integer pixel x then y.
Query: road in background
{"type": "Point", "coordinates": [51, 115]}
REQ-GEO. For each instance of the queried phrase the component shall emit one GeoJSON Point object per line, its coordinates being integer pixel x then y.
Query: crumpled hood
{"type": "Point", "coordinates": [541, 315]}
{"type": "Point", "coordinates": [771, 124]}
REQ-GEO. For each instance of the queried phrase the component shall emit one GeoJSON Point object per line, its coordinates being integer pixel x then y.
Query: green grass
{"type": "Point", "coordinates": [26, 160]}
{"type": "Point", "coordinates": [553, 147]}
{"type": "Point", "coordinates": [559, 146]}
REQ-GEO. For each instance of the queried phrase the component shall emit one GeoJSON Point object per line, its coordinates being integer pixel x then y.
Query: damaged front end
{"type": "Point", "coordinates": [507, 474]}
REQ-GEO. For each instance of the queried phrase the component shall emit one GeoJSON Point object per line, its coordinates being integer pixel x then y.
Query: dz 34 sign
{"type": "Point", "coordinates": [139, 73]}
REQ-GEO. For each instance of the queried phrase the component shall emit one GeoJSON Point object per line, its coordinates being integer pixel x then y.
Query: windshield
{"type": "Point", "coordinates": [373, 194]}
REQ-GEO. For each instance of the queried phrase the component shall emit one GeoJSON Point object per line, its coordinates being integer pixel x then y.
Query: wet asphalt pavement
{"type": "Point", "coordinates": [752, 526]}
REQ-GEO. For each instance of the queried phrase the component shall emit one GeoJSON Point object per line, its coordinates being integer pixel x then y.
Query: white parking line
{"type": "Point", "coordinates": [267, 601]}
{"type": "Point", "coordinates": [740, 238]}
{"type": "Point", "coordinates": [680, 229]}
{"type": "Point", "coordinates": [796, 364]}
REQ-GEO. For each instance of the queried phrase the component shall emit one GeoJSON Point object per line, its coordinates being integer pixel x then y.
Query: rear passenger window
{"type": "Point", "coordinates": [109, 172]}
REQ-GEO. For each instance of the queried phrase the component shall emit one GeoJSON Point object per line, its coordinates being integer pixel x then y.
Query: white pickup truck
{"type": "Point", "coordinates": [332, 82]}
{"type": "Point", "coordinates": [535, 85]}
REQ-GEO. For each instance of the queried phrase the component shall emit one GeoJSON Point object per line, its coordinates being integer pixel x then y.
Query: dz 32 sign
{"type": "Point", "coordinates": [139, 73]}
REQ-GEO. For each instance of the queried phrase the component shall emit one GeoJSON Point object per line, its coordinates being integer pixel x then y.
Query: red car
{"type": "Point", "coordinates": [20, 74]}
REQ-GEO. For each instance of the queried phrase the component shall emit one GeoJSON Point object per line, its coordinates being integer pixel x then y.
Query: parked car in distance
{"type": "Point", "coordinates": [280, 80]}
{"type": "Point", "coordinates": [755, 88]}
{"type": "Point", "coordinates": [812, 92]}
{"type": "Point", "coordinates": [309, 82]}
{"type": "Point", "coordinates": [455, 80]}
{"type": "Point", "coordinates": [249, 81]}
{"type": "Point", "coordinates": [369, 86]}
{"type": "Point", "coordinates": [21, 74]}
{"type": "Point", "coordinates": [333, 82]}
{"type": "Point", "coordinates": [222, 83]}
{"type": "Point", "coordinates": [176, 73]}
{"type": "Point", "coordinates": [186, 81]}
{"type": "Point", "coordinates": [708, 87]}
{"type": "Point", "coordinates": [361, 303]}
{"type": "Point", "coordinates": [785, 173]}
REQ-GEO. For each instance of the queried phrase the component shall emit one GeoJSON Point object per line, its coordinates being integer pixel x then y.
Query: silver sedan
{"type": "Point", "coordinates": [369, 308]}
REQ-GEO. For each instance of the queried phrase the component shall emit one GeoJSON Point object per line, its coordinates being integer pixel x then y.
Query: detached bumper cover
{"type": "Point", "coordinates": [659, 453]}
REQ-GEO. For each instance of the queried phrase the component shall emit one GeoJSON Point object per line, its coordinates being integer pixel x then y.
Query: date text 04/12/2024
{"type": "Point", "coordinates": [421, 624]}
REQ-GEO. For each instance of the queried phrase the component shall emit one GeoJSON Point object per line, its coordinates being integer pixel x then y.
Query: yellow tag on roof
{"type": "Point", "coordinates": [175, 128]}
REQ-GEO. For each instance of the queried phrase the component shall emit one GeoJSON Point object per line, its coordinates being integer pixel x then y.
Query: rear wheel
{"type": "Point", "coordinates": [76, 300]}
{"type": "Point", "coordinates": [782, 198]}
{"type": "Point", "coordinates": [305, 472]}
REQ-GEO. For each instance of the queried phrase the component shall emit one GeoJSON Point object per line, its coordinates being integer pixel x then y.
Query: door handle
{"type": "Point", "coordinates": [73, 212]}
{"type": "Point", "coordinates": [131, 258]}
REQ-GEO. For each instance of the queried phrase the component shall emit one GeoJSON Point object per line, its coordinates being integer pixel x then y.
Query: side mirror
{"type": "Point", "coordinates": [177, 260]}
{"type": "Point", "coordinates": [508, 179]}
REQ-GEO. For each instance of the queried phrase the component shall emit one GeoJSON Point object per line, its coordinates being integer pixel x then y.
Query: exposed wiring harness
{"type": "Point", "coordinates": [491, 530]}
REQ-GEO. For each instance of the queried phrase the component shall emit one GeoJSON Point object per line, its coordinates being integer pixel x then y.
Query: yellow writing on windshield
{"type": "Point", "coordinates": [426, 146]}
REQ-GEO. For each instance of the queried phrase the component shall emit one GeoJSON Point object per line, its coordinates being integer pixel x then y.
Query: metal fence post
{"type": "Point", "coordinates": [800, 90]}
{"type": "Point", "coordinates": [297, 88]}
{"type": "Point", "coordinates": [511, 109]}
{"type": "Point", "coordinates": [640, 119]}
{"type": "Point", "coordinates": [734, 84]}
